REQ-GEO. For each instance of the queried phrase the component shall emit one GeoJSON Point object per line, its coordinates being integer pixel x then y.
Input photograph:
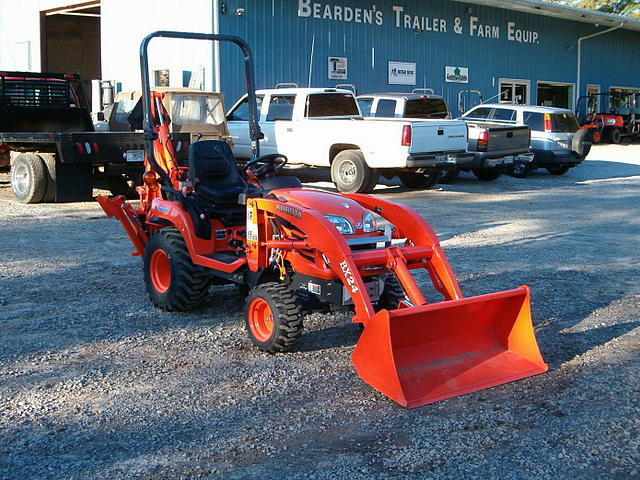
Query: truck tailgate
{"type": "Point", "coordinates": [508, 138]}
{"type": "Point", "coordinates": [438, 136]}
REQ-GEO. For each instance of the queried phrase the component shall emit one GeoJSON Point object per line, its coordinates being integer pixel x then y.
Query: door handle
{"type": "Point", "coordinates": [289, 129]}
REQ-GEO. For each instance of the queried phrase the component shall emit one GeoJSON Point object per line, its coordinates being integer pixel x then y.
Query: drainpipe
{"type": "Point", "coordinates": [578, 73]}
{"type": "Point", "coordinates": [216, 47]}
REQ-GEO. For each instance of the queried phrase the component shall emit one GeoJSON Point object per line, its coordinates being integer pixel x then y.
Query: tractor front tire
{"type": "Point", "coordinates": [350, 172]}
{"type": "Point", "coordinates": [173, 282]}
{"type": "Point", "coordinates": [392, 294]}
{"type": "Point", "coordinates": [273, 317]}
{"type": "Point", "coordinates": [28, 178]}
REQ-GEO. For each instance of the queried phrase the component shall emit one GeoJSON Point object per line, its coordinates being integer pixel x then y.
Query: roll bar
{"type": "Point", "coordinates": [150, 136]}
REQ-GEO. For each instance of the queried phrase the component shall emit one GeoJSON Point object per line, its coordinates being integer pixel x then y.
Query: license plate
{"type": "Point", "coordinates": [135, 156]}
{"type": "Point", "coordinates": [508, 160]}
{"type": "Point", "coordinates": [446, 159]}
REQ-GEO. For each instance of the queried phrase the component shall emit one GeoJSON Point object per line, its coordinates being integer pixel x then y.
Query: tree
{"type": "Point", "coordinates": [628, 8]}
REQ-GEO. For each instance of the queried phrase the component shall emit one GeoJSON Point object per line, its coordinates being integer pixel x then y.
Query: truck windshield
{"type": "Point", "coordinates": [426, 108]}
{"type": "Point", "coordinates": [331, 105]}
{"type": "Point", "coordinates": [564, 123]}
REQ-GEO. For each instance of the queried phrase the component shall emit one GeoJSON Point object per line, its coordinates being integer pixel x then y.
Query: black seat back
{"type": "Point", "coordinates": [214, 172]}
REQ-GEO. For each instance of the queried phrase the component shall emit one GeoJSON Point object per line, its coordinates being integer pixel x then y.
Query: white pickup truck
{"type": "Point", "coordinates": [324, 127]}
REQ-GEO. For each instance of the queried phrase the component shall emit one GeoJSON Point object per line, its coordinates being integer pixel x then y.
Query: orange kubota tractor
{"type": "Point", "coordinates": [293, 247]}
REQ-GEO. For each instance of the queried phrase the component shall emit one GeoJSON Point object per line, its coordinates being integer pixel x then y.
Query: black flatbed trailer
{"type": "Point", "coordinates": [55, 153]}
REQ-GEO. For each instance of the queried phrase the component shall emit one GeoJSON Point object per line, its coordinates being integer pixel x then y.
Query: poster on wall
{"type": "Point", "coordinates": [402, 73]}
{"type": "Point", "coordinates": [456, 74]}
{"type": "Point", "coordinates": [337, 68]}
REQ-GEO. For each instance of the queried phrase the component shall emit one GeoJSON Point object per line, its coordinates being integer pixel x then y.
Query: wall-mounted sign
{"type": "Point", "coordinates": [402, 73]}
{"type": "Point", "coordinates": [337, 68]}
{"type": "Point", "coordinates": [456, 74]}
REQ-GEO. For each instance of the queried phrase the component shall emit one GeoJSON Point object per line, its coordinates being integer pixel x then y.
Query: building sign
{"type": "Point", "coordinates": [401, 17]}
{"type": "Point", "coordinates": [402, 73]}
{"type": "Point", "coordinates": [337, 68]}
{"type": "Point", "coordinates": [456, 74]}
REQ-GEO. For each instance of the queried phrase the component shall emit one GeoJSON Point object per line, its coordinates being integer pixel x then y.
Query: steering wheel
{"type": "Point", "coordinates": [270, 165]}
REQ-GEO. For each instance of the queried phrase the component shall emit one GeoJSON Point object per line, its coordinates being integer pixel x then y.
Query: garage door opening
{"type": "Point", "coordinates": [70, 41]}
{"type": "Point", "coordinates": [557, 95]}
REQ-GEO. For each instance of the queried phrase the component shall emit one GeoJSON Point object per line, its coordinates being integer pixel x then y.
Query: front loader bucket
{"type": "Point", "coordinates": [420, 355]}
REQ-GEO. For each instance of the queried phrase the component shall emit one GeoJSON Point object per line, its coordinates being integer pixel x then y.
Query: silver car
{"type": "Point", "coordinates": [557, 141]}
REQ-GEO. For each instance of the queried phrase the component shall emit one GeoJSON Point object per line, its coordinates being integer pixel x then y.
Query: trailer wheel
{"type": "Point", "coordinates": [350, 173]}
{"type": "Point", "coordinates": [449, 176]}
{"type": "Point", "coordinates": [520, 170]}
{"type": "Point", "coordinates": [273, 318]}
{"type": "Point", "coordinates": [28, 178]}
{"type": "Point", "coordinates": [420, 180]}
{"type": "Point", "coordinates": [486, 175]}
{"type": "Point", "coordinates": [374, 177]}
{"type": "Point", "coordinates": [122, 186]}
{"type": "Point", "coordinates": [173, 282]}
{"type": "Point", "coordinates": [558, 169]}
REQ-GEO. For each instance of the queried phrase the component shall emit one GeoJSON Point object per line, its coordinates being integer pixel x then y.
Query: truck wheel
{"type": "Point", "coordinates": [350, 173]}
{"type": "Point", "coordinates": [173, 282]}
{"type": "Point", "coordinates": [28, 178]}
{"type": "Point", "coordinates": [486, 175]}
{"type": "Point", "coordinates": [273, 319]}
{"type": "Point", "coordinates": [520, 170]}
{"type": "Point", "coordinates": [614, 135]}
{"type": "Point", "coordinates": [558, 169]}
{"type": "Point", "coordinates": [449, 176]}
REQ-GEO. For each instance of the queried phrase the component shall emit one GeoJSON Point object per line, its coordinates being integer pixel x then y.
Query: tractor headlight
{"type": "Point", "coordinates": [369, 223]}
{"type": "Point", "coordinates": [610, 121]}
{"type": "Point", "coordinates": [342, 224]}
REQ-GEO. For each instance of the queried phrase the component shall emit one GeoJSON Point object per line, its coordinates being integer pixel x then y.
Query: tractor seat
{"type": "Point", "coordinates": [214, 172]}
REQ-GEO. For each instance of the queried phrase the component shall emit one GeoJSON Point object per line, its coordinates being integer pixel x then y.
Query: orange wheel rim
{"type": "Point", "coordinates": [160, 270]}
{"type": "Point", "coordinates": [260, 319]}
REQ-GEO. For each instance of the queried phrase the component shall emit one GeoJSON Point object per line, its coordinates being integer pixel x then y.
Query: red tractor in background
{"type": "Point", "coordinates": [622, 120]}
{"type": "Point", "coordinates": [298, 249]}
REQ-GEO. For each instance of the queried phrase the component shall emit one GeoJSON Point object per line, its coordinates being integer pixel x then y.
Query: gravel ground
{"type": "Point", "coordinates": [96, 383]}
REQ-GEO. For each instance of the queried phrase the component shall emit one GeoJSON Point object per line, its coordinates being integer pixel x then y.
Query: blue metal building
{"type": "Point", "coordinates": [527, 51]}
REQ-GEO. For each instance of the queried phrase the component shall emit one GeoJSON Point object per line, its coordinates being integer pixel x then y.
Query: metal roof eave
{"type": "Point", "coordinates": [539, 7]}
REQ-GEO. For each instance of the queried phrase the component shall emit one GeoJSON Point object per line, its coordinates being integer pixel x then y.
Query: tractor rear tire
{"type": "Point", "coordinates": [486, 175]}
{"type": "Point", "coordinates": [273, 318]}
{"type": "Point", "coordinates": [173, 282]}
{"type": "Point", "coordinates": [28, 178]}
{"type": "Point", "coordinates": [614, 135]}
{"type": "Point", "coordinates": [350, 172]}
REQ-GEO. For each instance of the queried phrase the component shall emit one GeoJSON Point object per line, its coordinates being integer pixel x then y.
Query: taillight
{"type": "Point", "coordinates": [79, 148]}
{"type": "Point", "coordinates": [483, 141]}
{"type": "Point", "coordinates": [406, 136]}
{"type": "Point", "coordinates": [547, 122]}
{"type": "Point", "coordinates": [95, 147]}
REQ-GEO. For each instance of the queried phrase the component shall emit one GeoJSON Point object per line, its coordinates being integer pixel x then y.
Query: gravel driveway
{"type": "Point", "coordinates": [96, 383]}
